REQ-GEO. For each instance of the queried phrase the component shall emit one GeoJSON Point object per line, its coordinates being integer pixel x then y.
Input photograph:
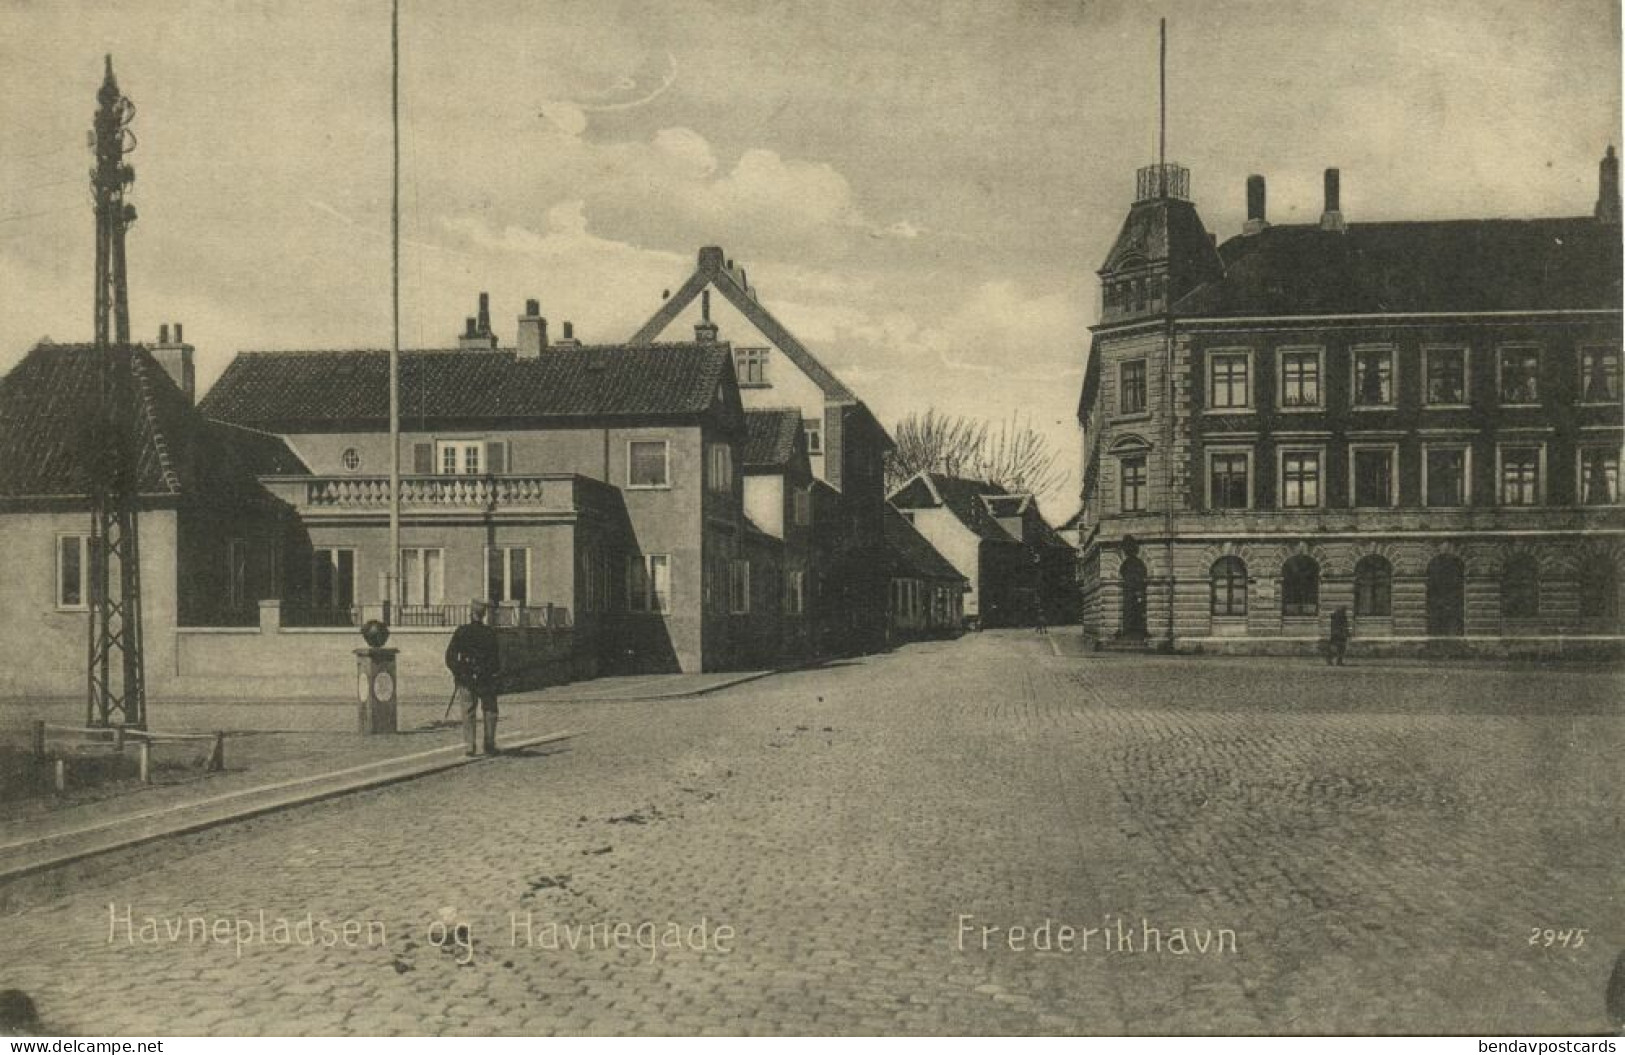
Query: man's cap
{"type": "Point", "coordinates": [479, 604]}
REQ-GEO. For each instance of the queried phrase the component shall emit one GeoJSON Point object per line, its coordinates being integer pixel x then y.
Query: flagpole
{"type": "Point", "coordinates": [392, 580]}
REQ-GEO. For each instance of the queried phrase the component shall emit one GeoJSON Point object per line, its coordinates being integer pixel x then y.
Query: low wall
{"type": "Point", "coordinates": [273, 662]}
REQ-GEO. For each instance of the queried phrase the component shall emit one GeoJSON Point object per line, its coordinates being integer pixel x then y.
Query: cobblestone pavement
{"type": "Point", "coordinates": [1381, 842]}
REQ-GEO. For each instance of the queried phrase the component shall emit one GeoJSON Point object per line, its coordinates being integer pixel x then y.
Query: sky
{"type": "Point", "coordinates": [921, 190]}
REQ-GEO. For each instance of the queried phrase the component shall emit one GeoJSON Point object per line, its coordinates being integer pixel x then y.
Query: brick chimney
{"type": "Point", "coordinates": [711, 258]}
{"type": "Point", "coordinates": [1255, 206]}
{"type": "Point", "coordinates": [477, 329]}
{"type": "Point", "coordinates": [1607, 210]}
{"type": "Point", "coordinates": [1332, 218]}
{"type": "Point", "coordinates": [568, 340]}
{"type": "Point", "coordinates": [175, 356]}
{"type": "Point", "coordinates": [532, 331]}
{"type": "Point", "coordinates": [705, 331]}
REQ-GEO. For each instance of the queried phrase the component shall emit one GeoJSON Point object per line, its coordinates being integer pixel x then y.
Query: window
{"type": "Point", "coordinates": [507, 575]}
{"type": "Point", "coordinates": [1520, 589]}
{"type": "Point", "coordinates": [1229, 580]}
{"type": "Point", "coordinates": [795, 584]}
{"type": "Point", "coordinates": [73, 572]}
{"type": "Point", "coordinates": [237, 573]}
{"type": "Point", "coordinates": [1132, 471]}
{"type": "Point", "coordinates": [739, 587]}
{"type": "Point", "coordinates": [814, 427]}
{"type": "Point", "coordinates": [802, 502]}
{"type": "Point", "coordinates": [332, 578]}
{"type": "Point", "coordinates": [1374, 477]}
{"type": "Point", "coordinates": [1520, 476]}
{"type": "Point", "coordinates": [1300, 379]}
{"type": "Point", "coordinates": [1300, 587]}
{"type": "Point", "coordinates": [648, 463]}
{"type": "Point", "coordinates": [1446, 376]}
{"type": "Point", "coordinates": [1599, 375]}
{"type": "Point", "coordinates": [1520, 375]}
{"type": "Point", "coordinates": [423, 576]}
{"type": "Point", "coordinates": [1227, 479]}
{"type": "Point", "coordinates": [1373, 377]}
{"type": "Point", "coordinates": [1599, 475]}
{"type": "Point", "coordinates": [1227, 381]}
{"type": "Point", "coordinates": [1373, 587]}
{"type": "Point", "coordinates": [351, 459]}
{"type": "Point", "coordinates": [751, 366]}
{"type": "Point", "coordinates": [460, 457]}
{"type": "Point", "coordinates": [1131, 385]}
{"type": "Point", "coordinates": [722, 467]}
{"type": "Point", "coordinates": [1599, 590]}
{"type": "Point", "coordinates": [1445, 475]}
{"type": "Point", "coordinates": [648, 583]}
{"type": "Point", "coordinates": [1300, 479]}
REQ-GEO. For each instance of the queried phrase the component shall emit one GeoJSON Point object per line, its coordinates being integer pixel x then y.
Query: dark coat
{"type": "Point", "coordinates": [472, 657]}
{"type": "Point", "coordinates": [1340, 625]}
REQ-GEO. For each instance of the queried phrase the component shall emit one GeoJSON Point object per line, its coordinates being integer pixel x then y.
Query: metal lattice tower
{"type": "Point", "coordinates": [117, 682]}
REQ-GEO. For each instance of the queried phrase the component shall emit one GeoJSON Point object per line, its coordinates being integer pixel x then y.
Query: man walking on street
{"type": "Point", "coordinates": [1340, 637]}
{"type": "Point", "coordinates": [475, 666]}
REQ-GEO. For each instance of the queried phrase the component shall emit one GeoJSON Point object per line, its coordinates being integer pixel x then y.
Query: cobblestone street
{"type": "Point", "coordinates": [1383, 841]}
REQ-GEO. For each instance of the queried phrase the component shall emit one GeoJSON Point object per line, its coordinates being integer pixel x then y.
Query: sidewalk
{"type": "Point", "coordinates": [312, 755]}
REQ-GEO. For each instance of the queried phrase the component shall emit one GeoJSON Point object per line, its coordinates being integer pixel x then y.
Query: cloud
{"type": "Point", "coordinates": [688, 149]}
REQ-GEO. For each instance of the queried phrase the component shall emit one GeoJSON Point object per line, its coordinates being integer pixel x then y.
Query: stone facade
{"type": "Point", "coordinates": [1278, 443]}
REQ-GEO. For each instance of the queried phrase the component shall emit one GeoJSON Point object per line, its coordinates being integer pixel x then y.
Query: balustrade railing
{"type": "Point", "coordinates": [317, 493]}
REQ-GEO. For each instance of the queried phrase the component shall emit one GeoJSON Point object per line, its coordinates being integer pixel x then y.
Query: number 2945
{"type": "Point", "coordinates": [1548, 937]}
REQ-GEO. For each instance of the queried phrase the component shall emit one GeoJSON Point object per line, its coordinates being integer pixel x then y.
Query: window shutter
{"type": "Point", "coordinates": [496, 456]}
{"type": "Point", "coordinates": [423, 459]}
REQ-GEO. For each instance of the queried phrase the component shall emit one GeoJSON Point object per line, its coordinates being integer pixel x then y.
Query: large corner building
{"type": "Point", "coordinates": [1417, 421]}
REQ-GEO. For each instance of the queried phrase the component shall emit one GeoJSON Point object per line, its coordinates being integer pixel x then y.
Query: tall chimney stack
{"type": "Point", "coordinates": [1256, 221]}
{"type": "Point", "coordinates": [1608, 188]}
{"type": "Point", "coordinates": [1332, 218]}
{"type": "Point", "coordinates": [568, 338]}
{"type": "Point", "coordinates": [176, 357]}
{"type": "Point", "coordinates": [532, 331]}
{"type": "Point", "coordinates": [477, 330]}
{"type": "Point", "coordinates": [705, 331]}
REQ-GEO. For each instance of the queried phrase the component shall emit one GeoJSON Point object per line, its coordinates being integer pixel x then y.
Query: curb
{"type": "Point", "coordinates": [190, 817]}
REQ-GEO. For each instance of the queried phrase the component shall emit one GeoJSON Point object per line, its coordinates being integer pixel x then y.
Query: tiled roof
{"type": "Point", "coordinates": [48, 399]}
{"type": "Point", "coordinates": [1426, 266]}
{"type": "Point", "coordinates": [910, 555]}
{"type": "Point", "coordinates": [974, 502]}
{"type": "Point", "coordinates": [307, 391]}
{"type": "Point", "coordinates": [771, 437]}
{"type": "Point", "coordinates": [712, 271]}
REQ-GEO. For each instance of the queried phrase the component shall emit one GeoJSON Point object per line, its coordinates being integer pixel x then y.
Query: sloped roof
{"type": "Point", "coordinates": [1416, 266]}
{"type": "Point", "coordinates": [712, 270]}
{"type": "Point", "coordinates": [292, 391]}
{"type": "Point", "coordinates": [771, 435]}
{"type": "Point", "coordinates": [48, 401]}
{"type": "Point", "coordinates": [908, 553]}
{"type": "Point", "coordinates": [974, 503]}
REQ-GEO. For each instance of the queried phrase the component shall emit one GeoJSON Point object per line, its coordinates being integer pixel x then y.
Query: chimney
{"type": "Point", "coordinates": [1608, 188]}
{"type": "Point", "coordinates": [569, 338]}
{"type": "Point", "coordinates": [705, 331]}
{"type": "Point", "coordinates": [176, 359]}
{"type": "Point", "coordinates": [711, 258]}
{"type": "Point", "coordinates": [1332, 218]}
{"type": "Point", "coordinates": [532, 331]}
{"type": "Point", "coordinates": [1255, 206]}
{"type": "Point", "coordinates": [477, 330]}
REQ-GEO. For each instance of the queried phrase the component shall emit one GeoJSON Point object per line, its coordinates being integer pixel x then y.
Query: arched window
{"type": "Point", "coordinates": [1373, 587]}
{"type": "Point", "coordinates": [1599, 590]}
{"type": "Point", "coordinates": [1229, 580]}
{"type": "Point", "coordinates": [1520, 588]}
{"type": "Point", "coordinates": [1300, 586]}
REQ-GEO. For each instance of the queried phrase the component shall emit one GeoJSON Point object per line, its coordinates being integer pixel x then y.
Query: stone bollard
{"type": "Point", "coordinates": [61, 776]}
{"type": "Point", "coordinates": [145, 760]}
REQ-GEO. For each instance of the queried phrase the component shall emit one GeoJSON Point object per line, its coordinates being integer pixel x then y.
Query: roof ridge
{"type": "Point", "coordinates": [160, 442]}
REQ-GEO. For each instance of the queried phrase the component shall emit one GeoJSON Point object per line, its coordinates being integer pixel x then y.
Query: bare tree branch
{"type": "Point", "coordinates": [1015, 457]}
